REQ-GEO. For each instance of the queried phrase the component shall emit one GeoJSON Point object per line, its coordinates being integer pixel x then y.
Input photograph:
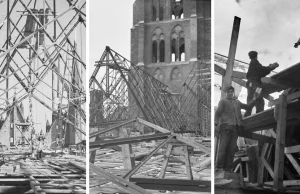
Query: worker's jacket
{"type": "Point", "coordinates": [256, 71]}
{"type": "Point", "coordinates": [229, 111]}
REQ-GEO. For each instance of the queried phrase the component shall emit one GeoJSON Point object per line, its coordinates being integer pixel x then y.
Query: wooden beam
{"type": "Point", "coordinates": [235, 74]}
{"type": "Point", "coordinates": [286, 183]}
{"type": "Point", "coordinates": [173, 184]}
{"type": "Point", "coordinates": [294, 162]}
{"type": "Point", "coordinates": [189, 171]}
{"type": "Point", "coordinates": [165, 163]}
{"type": "Point", "coordinates": [257, 137]}
{"type": "Point", "coordinates": [127, 156]}
{"type": "Point", "coordinates": [126, 185]}
{"type": "Point", "coordinates": [280, 144]}
{"type": "Point", "coordinates": [290, 97]}
{"type": "Point", "coordinates": [142, 162]}
{"type": "Point", "coordinates": [292, 149]}
{"type": "Point", "coordinates": [268, 166]}
{"type": "Point", "coordinates": [226, 80]}
{"type": "Point", "coordinates": [189, 142]}
{"type": "Point", "coordinates": [260, 174]}
{"type": "Point", "coordinates": [127, 140]}
{"type": "Point", "coordinates": [111, 128]}
{"type": "Point", "coordinates": [278, 83]}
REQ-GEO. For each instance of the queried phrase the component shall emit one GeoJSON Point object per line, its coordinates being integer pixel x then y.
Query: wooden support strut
{"type": "Point", "coordinates": [126, 185]}
{"type": "Point", "coordinates": [142, 162]}
{"type": "Point", "coordinates": [280, 143]}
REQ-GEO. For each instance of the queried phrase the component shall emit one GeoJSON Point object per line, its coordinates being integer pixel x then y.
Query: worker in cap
{"type": "Point", "coordinates": [228, 122]}
{"type": "Point", "coordinates": [255, 72]}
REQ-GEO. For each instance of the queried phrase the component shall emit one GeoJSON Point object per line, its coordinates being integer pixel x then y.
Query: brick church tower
{"type": "Point", "coordinates": [169, 37]}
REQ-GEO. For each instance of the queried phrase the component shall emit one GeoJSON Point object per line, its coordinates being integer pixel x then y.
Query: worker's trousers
{"type": "Point", "coordinates": [260, 103]}
{"type": "Point", "coordinates": [227, 146]}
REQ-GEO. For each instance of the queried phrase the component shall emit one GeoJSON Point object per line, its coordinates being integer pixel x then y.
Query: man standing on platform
{"type": "Point", "coordinates": [228, 121]}
{"type": "Point", "coordinates": [255, 72]}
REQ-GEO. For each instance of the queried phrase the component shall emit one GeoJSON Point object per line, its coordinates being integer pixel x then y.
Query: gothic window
{"type": "Point", "coordinates": [162, 51]}
{"type": "Point", "coordinates": [153, 13]}
{"type": "Point", "coordinates": [158, 74]}
{"type": "Point", "coordinates": [177, 44]}
{"type": "Point", "coordinates": [158, 46]}
{"type": "Point", "coordinates": [176, 74]}
{"type": "Point", "coordinates": [161, 10]}
{"type": "Point", "coordinates": [177, 9]}
{"type": "Point", "coordinates": [154, 51]}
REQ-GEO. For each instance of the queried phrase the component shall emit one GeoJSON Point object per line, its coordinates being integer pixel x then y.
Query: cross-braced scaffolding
{"type": "Point", "coordinates": [42, 66]}
{"type": "Point", "coordinates": [126, 91]}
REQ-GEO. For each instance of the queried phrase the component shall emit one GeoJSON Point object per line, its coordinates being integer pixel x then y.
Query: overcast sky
{"type": "Point", "coordinates": [270, 27]}
{"type": "Point", "coordinates": [110, 25]}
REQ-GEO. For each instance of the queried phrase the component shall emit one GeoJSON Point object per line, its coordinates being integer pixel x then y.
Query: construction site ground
{"type": "Point", "coordinates": [110, 159]}
{"type": "Point", "coordinates": [54, 173]}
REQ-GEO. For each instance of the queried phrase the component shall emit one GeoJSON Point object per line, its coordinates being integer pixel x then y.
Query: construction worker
{"type": "Point", "coordinates": [255, 72]}
{"type": "Point", "coordinates": [228, 122]}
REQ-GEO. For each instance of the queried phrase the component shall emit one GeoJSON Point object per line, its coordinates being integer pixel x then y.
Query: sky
{"type": "Point", "coordinates": [270, 27]}
{"type": "Point", "coordinates": [109, 26]}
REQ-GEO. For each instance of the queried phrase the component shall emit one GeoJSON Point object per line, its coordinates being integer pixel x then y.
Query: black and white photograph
{"type": "Point", "coordinates": [150, 96]}
{"type": "Point", "coordinates": [256, 96]}
{"type": "Point", "coordinates": [42, 96]}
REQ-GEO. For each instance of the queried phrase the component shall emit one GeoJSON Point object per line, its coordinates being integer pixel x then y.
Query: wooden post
{"type": "Point", "coordinates": [280, 143]}
{"type": "Point", "coordinates": [188, 163]}
{"type": "Point", "coordinates": [165, 163]}
{"type": "Point", "coordinates": [128, 159]}
{"type": "Point", "coordinates": [227, 79]}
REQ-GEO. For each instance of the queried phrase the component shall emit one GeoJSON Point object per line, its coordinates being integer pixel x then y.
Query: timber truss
{"type": "Point", "coordinates": [41, 61]}
{"type": "Point", "coordinates": [124, 99]}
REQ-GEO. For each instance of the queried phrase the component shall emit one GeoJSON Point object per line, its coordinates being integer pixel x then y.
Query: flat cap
{"type": "Point", "coordinates": [252, 54]}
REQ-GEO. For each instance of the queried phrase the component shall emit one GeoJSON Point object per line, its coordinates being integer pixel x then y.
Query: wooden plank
{"type": "Point", "coordinates": [165, 163]}
{"type": "Point", "coordinates": [145, 159]}
{"type": "Point", "coordinates": [127, 140]}
{"type": "Point", "coordinates": [292, 149]}
{"type": "Point", "coordinates": [294, 162]}
{"type": "Point", "coordinates": [280, 144]}
{"type": "Point", "coordinates": [227, 79]}
{"type": "Point", "coordinates": [188, 163]}
{"type": "Point", "coordinates": [126, 185]}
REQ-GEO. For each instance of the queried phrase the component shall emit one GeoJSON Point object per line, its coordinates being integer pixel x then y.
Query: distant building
{"type": "Point", "coordinates": [170, 40]}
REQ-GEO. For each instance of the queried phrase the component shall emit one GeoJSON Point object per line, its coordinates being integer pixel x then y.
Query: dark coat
{"type": "Point", "coordinates": [257, 71]}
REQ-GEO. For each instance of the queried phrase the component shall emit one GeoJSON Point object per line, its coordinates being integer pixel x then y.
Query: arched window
{"type": "Point", "coordinates": [162, 51]}
{"type": "Point", "coordinates": [175, 74]}
{"type": "Point", "coordinates": [177, 44]}
{"type": "Point", "coordinates": [181, 49]}
{"type": "Point", "coordinates": [158, 74]}
{"type": "Point", "coordinates": [173, 49]}
{"type": "Point", "coordinates": [177, 9]}
{"type": "Point", "coordinates": [154, 51]}
{"type": "Point", "coordinates": [158, 48]}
